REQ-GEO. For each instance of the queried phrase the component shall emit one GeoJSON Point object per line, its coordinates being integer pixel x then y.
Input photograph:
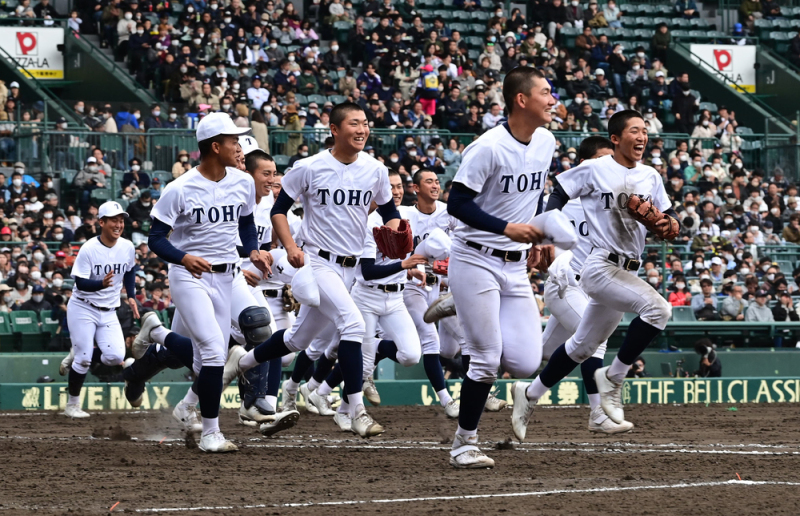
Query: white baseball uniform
{"type": "Point", "coordinates": [381, 303]}
{"type": "Point", "coordinates": [92, 315]}
{"type": "Point", "coordinates": [493, 296]}
{"type": "Point", "coordinates": [567, 311]}
{"type": "Point", "coordinates": [336, 199]}
{"type": "Point", "coordinates": [205, 216]}
{"type": "Point", "coordinates": [604, 187]}
{"type": "Point", "coordinates": [416, 297]}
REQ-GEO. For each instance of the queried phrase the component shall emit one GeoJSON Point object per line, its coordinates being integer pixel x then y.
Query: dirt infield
{"type": "Point", "coordinates": [678, 460]}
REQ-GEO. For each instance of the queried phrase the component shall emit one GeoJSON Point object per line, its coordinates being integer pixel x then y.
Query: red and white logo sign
{"type": "Point", "coordinates": [27, 44]}
{"type": "Point", "coordinates": [724, 60]}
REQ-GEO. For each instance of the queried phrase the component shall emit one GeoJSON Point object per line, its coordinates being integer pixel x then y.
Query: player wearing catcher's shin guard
{"type": "Point", "coordinates": [622, 199]}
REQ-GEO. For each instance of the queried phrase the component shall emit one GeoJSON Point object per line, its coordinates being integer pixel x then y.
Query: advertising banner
{"type": "Point", "coordinates": [35, 49]}
{"type": "Point", "coordinates": [735, 62]}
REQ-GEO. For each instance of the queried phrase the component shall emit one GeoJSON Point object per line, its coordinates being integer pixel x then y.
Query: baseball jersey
{"type": "Point", "coordinates": [336, 199]}
{"type": "Point", "coordinates": [509, 177]}
{"type": "Point", "coordinates": [371, 251]}
{"type": "Point", "coordinates": [95, 260]}
{"type": "Point", "coordinates": [574, 212]}
{"type": "Point", "coordinates": [423, 223]}
{"type": "Point", "coordinates": [204, 215]}
{"type": "Point", "coordinates": [261, 217]}
{"type": "Point", "coordinates": [604, 187]}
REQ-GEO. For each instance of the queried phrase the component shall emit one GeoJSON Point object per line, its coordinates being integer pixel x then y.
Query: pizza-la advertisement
{"type": "Point", "coordinates": [735, 62]}
{"type": "Point", "coordinates": [35, 50]}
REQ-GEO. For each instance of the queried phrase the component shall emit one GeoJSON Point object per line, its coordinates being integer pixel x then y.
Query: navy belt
{"type": "Point", "coordinates": [507, 256]}
{"type": "Point", "coordinates": [344, 261]}
{"type": "Point", "coordinates": [223, 267]}
{"type": "Point", "coordinates": [392, 287]}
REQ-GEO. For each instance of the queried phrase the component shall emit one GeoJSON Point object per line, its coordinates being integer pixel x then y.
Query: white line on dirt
{"type": "Point", "coordinates": [471, 497]}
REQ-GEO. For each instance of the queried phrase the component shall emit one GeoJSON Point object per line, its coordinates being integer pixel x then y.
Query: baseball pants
{"type": "Point", "coordinates": [87, 324]}
{"type": "Point", "coordinates": [612, 291]}
{"type": "Point", "coordinates": [451, 337]}
{"type": "Point", "coordinates": [335, 306]}
{"type": "Point", "coordinates": [417, 300]}
{"type": "Point", "coordinates": [388, 310]}
{"type": "Point", "coordinates": [566, 316]}
{"type": "Point", "coordinates": [498, 313]}
{"type": "Point", "coordinates": [197, 299]}
{"type": "Point", "coordinates": [326, 343]}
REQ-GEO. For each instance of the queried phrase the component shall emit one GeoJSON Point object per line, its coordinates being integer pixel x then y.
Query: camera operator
{"type": "Point", "coordinates": [710, 365]}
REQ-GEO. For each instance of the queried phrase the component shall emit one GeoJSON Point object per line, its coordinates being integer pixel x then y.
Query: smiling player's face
{"type": "Point", "coordinates": [263, 175]}
{"type": "Point", "coordinates": [539, 103]}
{"type": "Point", "coordinates": [428, 187]}
{"type": "Point", "coordinates": [632, 142]}
{"type": "Point", "coordinates": [396, 182]}
{"type": "Point", "coordinates": [351, 135]}
{"type": "Point", "coordinates": [112, 227]}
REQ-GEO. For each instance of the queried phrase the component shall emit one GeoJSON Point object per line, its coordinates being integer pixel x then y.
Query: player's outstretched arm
{"type": "Point", "coordinates": [280, 224]}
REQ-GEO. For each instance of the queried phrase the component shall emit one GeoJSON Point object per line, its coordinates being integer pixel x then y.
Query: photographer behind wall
{"type": "Point", "coordinates": [710, 366]}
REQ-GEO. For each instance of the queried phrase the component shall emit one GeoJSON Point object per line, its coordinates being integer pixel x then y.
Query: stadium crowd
{"type": "Point", "coordinates": [271, 69]}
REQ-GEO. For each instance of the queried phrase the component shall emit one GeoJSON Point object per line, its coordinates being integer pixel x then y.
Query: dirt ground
{"type": "Point", "coordinates": [678, 460]}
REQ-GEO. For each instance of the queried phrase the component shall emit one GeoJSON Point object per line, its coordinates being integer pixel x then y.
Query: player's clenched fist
{"type": "Point", "coordinates": [524, 233]}
{"type": "Point", "coordinates": [295, 257]}
{"type": "Point", "coordinates": [196, 265]}
{"type": "Point", "coordinates": [108, 280]}
{"type": "Point", "coordinates": [261, 262]}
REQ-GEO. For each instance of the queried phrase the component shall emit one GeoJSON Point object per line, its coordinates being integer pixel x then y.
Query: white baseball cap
{"type": "Point", "coordinates": [14, 84]}
{"type": "Point", "coordinates": [218, 123]}
{"type": "Point", "coordinates": [110, 209]}
{"type": "Point", "coordinates": [249, 144]}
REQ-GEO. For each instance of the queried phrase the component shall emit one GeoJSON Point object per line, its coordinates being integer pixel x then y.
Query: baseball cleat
{"type": "Point", "coordinates": [305, 392]}
{"type": "Point", "coordinates": [279, 421]}
{"type": "Point", "coordinates": [186, 415]}
{"type": "Point", "coordinates": [466, 454]}
{"type": "Point", "coordinates": [610, 396]}
{"type": "Point", "coordinates": [523, 410]}
{"type": "Point", "coordinates": [364, 425]}
{"type": "Point", "coordinates": [371, 392]}
{"type": "Point", "coordinates": [63, 369]}
{"type": "Point", "coordinates": [599, 422]}
{"type": "Point", "coordinates": [215, 442]}
{"type": "Point", "coordinates": [494, 404]}
{"type": "Point", "coordinates": [133, 391]}
{"type": "Point", "coordinates": [321, 403]}
{"type": "Point", "coordinates": [344, 421]}
{"type": "Point", "coordinates": [443, 307]}
{"type": "Point", "coordinates": [289, 401]}
{"type": "Point", "coordinates": [74, 411]}
{"type": "Point", "coordinates": [252, 416]}
{"type": "Point", "coordinates": [232, 370]}
{"type": "Point", "coordinates": [142, 341]}
{"type": "Point", "coordinates": [451, 409]}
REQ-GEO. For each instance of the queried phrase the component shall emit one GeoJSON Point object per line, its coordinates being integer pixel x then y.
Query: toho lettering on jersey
{"type": "Point", "coordinates": [510, 183]}
{"type": "Point", "coordinates": [205, 214]}
{"type": "Point", "coordinates": [336, 199]}
{"type": "Point", "coordinates": [95, 260]}
{"type": "Point", "coordinates": [604, 187]}
{"type": "Point", "coordinates": [574, 212]}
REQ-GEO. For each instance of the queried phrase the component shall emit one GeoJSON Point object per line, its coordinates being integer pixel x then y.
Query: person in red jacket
{"type": "Point", "coordinates": [679, 293]}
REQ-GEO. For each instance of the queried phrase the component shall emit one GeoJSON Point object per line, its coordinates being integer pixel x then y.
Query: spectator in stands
{"type": "Point", "coordinates": [733, 306]}
{"type": "Point", "coordinates": [771, 9]}
{"type": "Point", "coordinates": [136, 176]}
{"type": "Point", "coordinates": [758, 311]}
{"type": "Point", "coordinates": [302, 152]}
{"type": "Point", "coordinates": [588, 120]}
{"type": "Point", "coordinates": [154, 121]}
{"type": "Point", "coordinates": [791, 233]}
{"type": "Point", "coordinates": [586, 42]}
{"type": "Point", "coordinates": [492, 117]}
{"type": "Point", "coordinates": [558, 17]}
{"type": "Point", "coordinates": [661, 41]}
{"type": "Point", "coordinates": [37, 302]}
{"type": "Point", "coordinates": [18, 188]}
{"type": "Point", "coordinates": [686, 9]}
{"type": "Point", "coordinates": [680, 295]}
{"type": "Point", "coordinates": [139, 213]}
{"type": "Point", "coordinates": [705, 304]}
{"type": "Point", "coordinates": [612, 15]}
{"type": "Point", "coordinates": [684, 106]}
{"type": "Point", "coordinates": [21, 291]}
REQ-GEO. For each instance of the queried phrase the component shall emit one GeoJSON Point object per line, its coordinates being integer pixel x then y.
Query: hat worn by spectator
{"type": "Point", "coordinates": [657, 161]}
{"type": "Point", "coordinates": [61, 254]}
{"type": "Point", "coordinates": [716, 261]}
{"type": "Point", "coordinates": [5, 231]}
{"type": "Point", "coordinates": [659, 74]}
{"type": "Point", "coordinates": [156, 181]}
{"type": "Point", "coordinates": [91, 159]}
{"type": "Point", "coordinates": [599, 71]}
{"type": "Point", "coordinates": [216, 124]}
{"type": "Point", "coordinates": [19, 164]}
{"type": "Point", "coordinates": [61, 120]}
{"type": "Point", "coordinates": [14, 84]}
{"type": "Point", "coordinates": [37, 289]}
{"type": "Point", "coordinates": [4, 288]}
{"type": "Point", "coordinates": [761, 293]}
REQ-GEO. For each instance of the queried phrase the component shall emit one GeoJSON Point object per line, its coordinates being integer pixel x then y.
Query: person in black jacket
{"type": "Point", "coordinates": [710, 365]}
{"type": "Point", "coordinates": [454, 109]}
{"type": "Point", "coordinates": [684, 106]}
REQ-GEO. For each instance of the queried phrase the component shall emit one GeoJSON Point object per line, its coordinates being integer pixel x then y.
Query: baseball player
{"type": "Point", "coordinates": [336, 188]}
{"type": "Point", "coordinates": [205, 209]}
{"type": "Point", "coordinates": [567, 301]}
{"type": "Point", "coordinates": [104, 264]}
{"type": "Point", "coordinates": [496, 193]}
{"type": "Point", "coordinates": [606, 187]}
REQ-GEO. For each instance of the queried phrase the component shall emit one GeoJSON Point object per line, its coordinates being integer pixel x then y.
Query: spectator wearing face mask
{"type": "Point", "coordinates": [178, 168]}
{"type": "Point", "coordinates": [18, 188]}
{"type": "Point", "coordinates": [302, 152]}
{"type": "Point", "coordinates": [21, 291]}
{"type": "Point", "coordinates": [680, 295]}
{"type": "Point", "coordinates": [702, 240]}
{"type": "Point", "coordinates": [757, 310]}
{"type": "Point", "coordinates": [139, 213]}
{"type": "Point", "coordinates": [88, 179]}
{"type": "Point", "coordinates": [705, 304]}
{"type": "Point", "coordinates": [654, 278]}
{"type": "Point", "coordinates": [791, 233]}
{"type": "Point", "coordinates": [5, 298]}
{"type": "Point", "coordinates": [770, 237]}
{"type": "Point", "coordinates": [136, 175]}
{"type": "Point", "coordinates": [37, 302]}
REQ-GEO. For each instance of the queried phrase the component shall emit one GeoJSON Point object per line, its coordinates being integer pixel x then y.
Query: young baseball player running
{"type": "Point", "coordinates": [567, 301]}
{"type": "Point", "coordinates": [103, 265]}
{"type": "Point", "coordinates": [496, 193]}
{"type": "Point", "coordinates": [611, 189]}
{"type": "Point", "coordinates": [336, 188]}
{"type": "Point", "coordinates": [205, 209]}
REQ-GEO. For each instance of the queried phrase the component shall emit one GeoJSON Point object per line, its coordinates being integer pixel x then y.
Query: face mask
{"type": "Point", "coordinates": [197, 41]}
{"type": "Point", "coordinates": [708, 173]}
{"type": "Point", "coordinates": [93, 168]}
{"type": "Point", "coordinates": [687, 93]}
{"type": "Point", "coordinates": [304, 154]}
{"type": "Point", "coordinates": [698, 164]}
{"type": "Point", "coordinates": [431, 153]}
{"type": "Point", "coordinates": [184, 159]}
{"type": "Point", "coordinates": [680, 286]}
{"type": "Point", "coordinates": [146, 204]}
{"type": "Point", "coordinates": [129, 16]}
{"type": "Point", "coordinates": [240, 46]}
{"type": "Point", "coordinates": [727, 191]}
{"type": "Point", "coordinates": [267, 109]}
{"type": "Point", "coordinates": [226, 107]}
{"type": "Point", "coordinates": [728, 221]}
{"type": "Point", "coordinates": [20, 285]}
{"type": "Point", "coordinates": [676, 182]}
{"type": "Point", "coordinates": [149, 278]}
{"type": "Point", "coordinates": [36, 275]}
{"type": "Point", "coordinates": [38, 256]}
{"type": "Point", "coordinates": [140, 32]}
{"type": "Point", "coordinates": [412, 153]}
{"type": "Point", "coordinates": [137, 116]}
{"type": "Point", "coordinates": [58, 236]}
{"type": "Point", "coordinates": [705, 276]}
{"type": "Point", "coordinates": [690, 210]}
{"type": "Point", "coordinates": [579, 100]}
{"type": "Point", "coordinates": [704, 231]}
{"type": "Point", "coordinates": [273, 45]}
{"type": "Point", "coordinates": [571, 155]}
{"type": "Point", "coordinates": [731, 201]}
{"type": "Point", "coordinates": [184, 69]}
{"type": "Point", "coordinates": [775, 211]}
{"type": "Point", "coordinates": [656, 154]}
{"type": "Point", "coordinates": [37, 298]}
{"type": "Point", "coordinates": [291, 59]}
{"type": "Point", "coordinates": [393, 159]}
{"type": "Point", "coordinates": [652, 280]}
{"type": "Point", "coordinates": [770, 277]}
{"type": "Point", "coordinates": [17, 182]}
{"type": "Point", "coordinates": [173, 116]}
{"type": "Point", "coordinates": [14, 256]}
{"type": "Point", "coordinates": [235, 87]}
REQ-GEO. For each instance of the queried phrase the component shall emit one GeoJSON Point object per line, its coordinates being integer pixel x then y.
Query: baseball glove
{"type": "Point", "coordinates": [440, 267]}
{"type": "Point", "coordinates": [394, 244]}
{"type": "Point", "coordinates": [290, 304]}
{"type": "Point", "coordinates": [648, 215]}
